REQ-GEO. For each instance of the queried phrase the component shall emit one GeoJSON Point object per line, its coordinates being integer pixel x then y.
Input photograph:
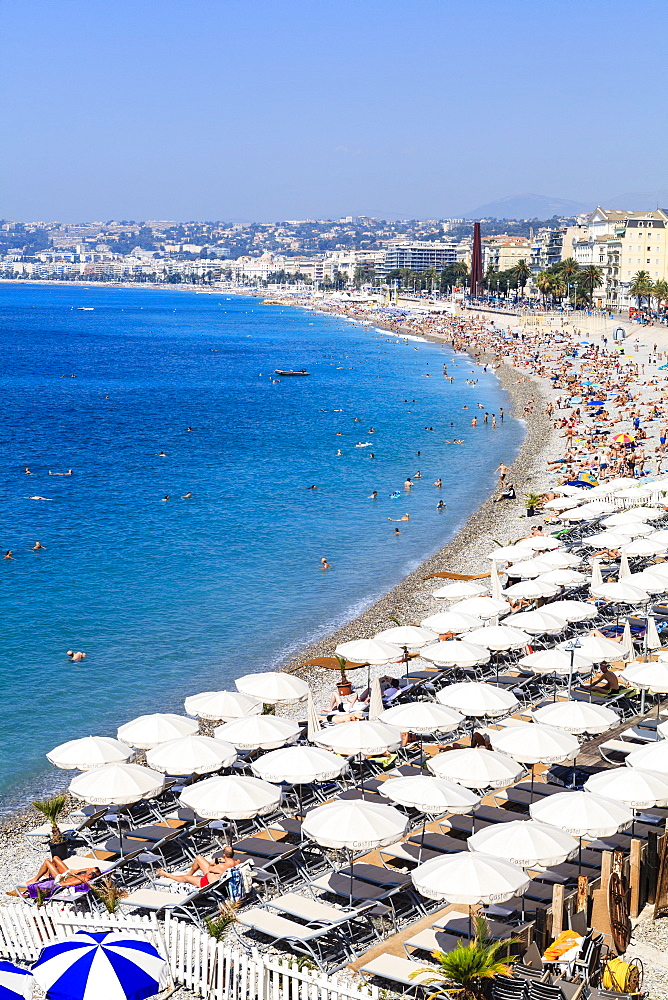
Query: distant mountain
{"type": "Point", "coordinates": [638, 201]}
{"type": "Point", "coordinates": [528, 206]}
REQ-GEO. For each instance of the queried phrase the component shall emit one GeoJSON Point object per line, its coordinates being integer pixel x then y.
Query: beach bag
{"type": "Point", "coordinates": [235, 885]}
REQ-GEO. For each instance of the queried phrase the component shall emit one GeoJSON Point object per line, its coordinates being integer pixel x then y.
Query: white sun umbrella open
{"type": "Point", "coordinates": [645, 547]}
{"type": "Point", "coordinates": [652, 676]}
{"type": "Point", "coordinates": [532, 743]}
{"type": "Point", "coordinates": [469, 879]}
{"type": "Point", "coordinates": [411, 636]}
{"type": "Point", "coordinates": [258, 732]}
{"type": "Point", "coordinates": [374, 651]}
{"type": "Point", "coordinates": [481, 607]}
{"type": "Point", "coordinates": [444, 622]}
{"type": "Point", "coordinates": [635, 788]}
{"type": "Point", "coordinates": [537, 622]}
{"type": "Point", "coordinates": [89, 752]}
{"type": "Point", "coordinates": [649, 513]}
{"type": "Point", "coordinates": [573, 611]}
{"type": "Point", "coordinates": [366, 738]}
{"type": "Point", "coordinates": [509, 553]}
{"type": "Point", "coordinates": [582, 814]}
{"type": "Point", "coordinates": [561, 560]}
{"type": "Point", "coordinates": [530, 590]}
{"type": "Point", "coordinates": [525, 843]}
{"type": "Point", "coordinates": [555, 661]}
{"type": "Point", "coordinates": [222, 706]}
{"type": "Point", "coordinates": [597, 648]}
{"type": "Point", "coordinates": [649, 581]}
{"type": "Point", "coordinates": [430, 796]}
{"type": "Point", "coordinates": [354, 824]}
{"type": "Point", "coordinates": [422, 717]}
{"type": "Point", "coordinates": [540, 543]}
{"type": "Point", "coordinates": [476, 767]}
{"type": "Point", "coordinates": [609, 540]}
{"type": "Point", "coordinates": [598, 507]}
{"type": "Point", "coordinates": [148, 731]}
{"type": "Point", "coordinates": [577, 717]}
{"type": "Point", "coordinates": [273, 687]}
{"type": "Point", "coordinates": [455, 653]}
{"type": "Point", "coordinates": [563, 503]}
{"type": "Point", "coordinates": [621, 593]}
{"type": "Point", "coordinates": [634, 529]}
{"type": "Point", "coordinates": [528, 569]}
{"type": "Point", "coordinates": [662, 536]}
{"type": "Point", "coordinates": [652, 757]}
{"type": "Point", "coordinates": [232, 797]}
{"type": "Point", "coordinates": [300, 765]}
{"type": "Point", "coordinates": [499, 637]}
{"type": "Point", "coordinates": [117, 784]}
{"type": "Point", "coordinates": [477, 700]}
{"type": "Point", "coordinates": [459, 591]}
{"type": "Point", "coordinates": [191, 755]}
{"type": "Point", "coordinates": [624, 517]}
{"type": "Point", "coordinates": [563, 578]}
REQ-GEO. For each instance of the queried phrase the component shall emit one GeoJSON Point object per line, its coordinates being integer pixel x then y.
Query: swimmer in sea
{"type": "Point", "coordinates": [408, 485]}
{"type": "Point", "coordinates": [396, 531]}
{"type": "Point", "coordinates": [338, 452]}
{"type": "Point", "coordinates": [395, 495]}
{"type": "Point", "coordinates": [36, 546]}
{"type": "Point", "coordinates": [161, 454]}
{"type": "Point", "coordinates": [9, 554]}
{"type": "Point", "coordinates": [438, 484]}
{"type": "Point", "coordinates": [418, 475]}
{"type": "Point", "coordinates": [405, 517]}
{"type": "Point", "coordinates": [325, 564]}
{"type": "Point", "coordinates": [27, 472]}
{"type": "Point", "coordinates": [312, 487]}
{"type": "Point", "coordinates": [373, 496]}
{"type": "Point", "coordinates": [186, 496]}
{"type": "Point", "coordinates": [166, 496]}
{"type": "Point", "coordinates": [188, 428]}
{"type": "Point", "coordinates": [440, 505]}
{"type": "Point", "coordinates": [76, 656]}
{"type": "Point", "coordinates": [40, 498]}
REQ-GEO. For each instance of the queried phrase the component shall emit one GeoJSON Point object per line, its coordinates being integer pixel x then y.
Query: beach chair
{"type": "Point", "coordinates": [429, 940]}
{"type": "Point", "coordinates": [355, 921]}
{"type": "Point", "coordinates": [326, 946]}
{"type": "Point", "coordinates": [393, 969]}
{"type": "Point", "coordinates": [508, 988]}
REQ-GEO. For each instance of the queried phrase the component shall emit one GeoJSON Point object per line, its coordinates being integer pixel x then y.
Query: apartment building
{"type": "Point", "coordinates": [504, 252]}
{"type": "Point", "coordinates": [419, 255]}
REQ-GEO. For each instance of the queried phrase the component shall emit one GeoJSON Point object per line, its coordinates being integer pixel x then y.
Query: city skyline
{"type": "Point", "coordinates": [279, 112]}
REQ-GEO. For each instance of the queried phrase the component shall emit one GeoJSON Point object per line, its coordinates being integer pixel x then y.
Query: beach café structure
{"type": "Point", "coordinates": [512, 763]}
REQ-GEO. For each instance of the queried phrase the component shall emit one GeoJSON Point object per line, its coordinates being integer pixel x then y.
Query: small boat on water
{"type": "Point", "coordinates": [279, 371]}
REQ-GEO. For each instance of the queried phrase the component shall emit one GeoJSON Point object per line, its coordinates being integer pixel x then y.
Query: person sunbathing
{"type": "Point", "coordinates": [60, 872]}
{"type": "Point", "coordinates": [203, 872]}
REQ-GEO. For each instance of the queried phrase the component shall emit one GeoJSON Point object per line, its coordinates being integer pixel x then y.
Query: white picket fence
{"type": "Point", "coordinates": [207, 968]}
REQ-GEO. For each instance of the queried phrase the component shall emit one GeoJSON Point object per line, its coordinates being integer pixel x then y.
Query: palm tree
{"type": "Point", "coordinates": [558, 287]}
{"type": "Point", "coordinates": [641, 287]}
{"type": "Point", "coordinates": [522, 273]}
{"type": "Point", "coordinates": [590, 278]}
{"type": "Point", "coordinates": [544, 284]}
{"type": "Point", "coordinates": [569, 268]}
{"type": "Point", "coordinates": [467, 969]}
{"type": "Point", "coordinates": [52, 809]}
{"type": "Point", "coordinates": [660, 293]}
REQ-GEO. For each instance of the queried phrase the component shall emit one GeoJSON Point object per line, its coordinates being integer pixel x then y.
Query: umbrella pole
{"type": "Point", "coordinates": [642, 702]}
{"type": "Point", "coordinates": [579, 856]}
{"type": "Point", "coordinates": [532, 777]}
{"type": "Point", "coordinates": [352, 875]}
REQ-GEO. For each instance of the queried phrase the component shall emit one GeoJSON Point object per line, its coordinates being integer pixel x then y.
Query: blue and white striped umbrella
{"type": "Point", "coordinates": [15, 983]}
{"type": "Point", "coordinates": [92, 966]}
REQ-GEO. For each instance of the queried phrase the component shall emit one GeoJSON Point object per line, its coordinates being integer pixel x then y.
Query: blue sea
{"type": "Point", "coordinates": [173, 596]}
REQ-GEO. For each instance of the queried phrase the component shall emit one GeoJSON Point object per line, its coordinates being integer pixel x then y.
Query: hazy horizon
{"type": "Point", "coordinates": [268, 112]}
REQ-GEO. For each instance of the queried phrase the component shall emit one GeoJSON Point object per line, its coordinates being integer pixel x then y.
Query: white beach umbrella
{"type": "Point", "coordinates": [624, 568]}
{"type": "Point", "coordinates": [536, 622]}
{"type": "Point", "coordinates": [662, 536]}
{"type": "Point", "coordinates": [499, 637]}
{"type": "Point", "coordinates": [573, 491]}
{"type": "Point", "coordinates": [652, 676]}
{"type": "Point", "coordinates": [258, 732]}
{"type": "Point", "coordinates": [561, 560]}
{"type": "Point", "coordinates": [148, 731]}
{"type": "Point", "coordinates": [597, 507]}
{"type": "Point", "coordinates": [531, 743]}
{"type": "Point", "coordinates": [540, 543]}
{"type": "Point", "coordinates": [480, 607]}
{"type": "Point", "coordinates": [413, 636]}
{"type": "Point", "coordinates": [191, 755]}
{"type": "Point", "coordinates": [528, 569]}
{"type": "Point", "coordinates": [525, 843]}
{"type": "Point", "coordinates": [563, 578]}
{"type": "Point", "coordinates": [422, 717]}
{"type": "Point", "coordinates": [530, 590]}
{"type": "Point", "coordinates": [469, 879]}
{"type": "Point", "coordinates": [89, 752]}
{"type": "Point", "coordinates": [273, 687]}
{"type": "Point", "coordinates": [627, 642]}
{"type": "Point", "coordinates": [299, 765]}
{"type": "Point", "coordinates": [577, 717]}
{"type": "Point", "coordinates": [509, 553]}
{"type": "Point", "coordinates": [374, 651]}
{"type": "Point", "coordinates": [645, 547]}
{"type": "Point", "coordinates": [623, 518]}
{"type": "Point", "coordinates": [597, 648]}
{"type": "Point", "coordinates": [649, 513]}
{"type": "Point", "coordinates": [649, 581]}
{"type": "Point", "coordinates": [477, 700]}
{"type": "Point", "coordinates": [621, 593]}
{"type": "Point", "coordinates": [459, 591]}
{"type": "Point", "coordinates": [495, 588]}
{"type": "Point", "coordinates": [117, 784]}
{"type": "Point", "coordinates": [581, 513]}
{"type": "Point", "coordinates": [355, 824]}
{"type": "Point", "coordinates": [659, 569]}
{"type": "Point", "coordinates": [652, 640]}
{"type": "Point", "coordinates": [222, 706]}
{"type": "Point", "coordinates": [633, 787]}
{"type": "Point", "coordinates": [231, 797]}
{"type": "Point", "coordinates": [652, 757]}
{"type": "Point", "coordinates": [582, 814]}
{"type": "Point", "coordinates": [451, 621]}
{"type": "Point", "coordinates": [476, 767]}
{"type": "Point", "coordinates": [606, 540]}
{"type": "Point", "coordinates": [634, 529]}
{"type": "Point", "coordinates": [367, 738]}
{"type": "Point", "coordinates": [375, 700]}
{"type": "Point", "coordinates": [555, 661]}
{"type": "Point", "coordinates": [563, 503]}
{"type": "Point", "coordinates": [596, 575]}
{"type": "Point", "coordinates": [430, 795]}
{"type": "Point", "coordinates": [573, 611]}
{"type": "Point", "coordinates": [455, 653]}
{"type": "Point", "coordinates": [313, 722]}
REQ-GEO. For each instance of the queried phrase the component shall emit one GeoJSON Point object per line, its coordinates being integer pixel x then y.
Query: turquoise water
{"type": "Point", "coordinates": [171, 597]}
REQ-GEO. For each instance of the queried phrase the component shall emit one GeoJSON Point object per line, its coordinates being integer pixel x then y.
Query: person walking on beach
{"type": "Point", "coordinates": [503, 470]}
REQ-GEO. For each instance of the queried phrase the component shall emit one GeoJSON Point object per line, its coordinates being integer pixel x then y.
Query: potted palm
{"type": "Point", "coordinates": [344, 687]}
{"type": "Point", "coordinates": [52, 809]}
{"type": "Point", "coordinates": [533, 502]}
{"type": "Point", "coordinates": [467, 969]}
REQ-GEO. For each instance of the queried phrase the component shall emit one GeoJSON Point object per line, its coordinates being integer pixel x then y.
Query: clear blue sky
{"type": "Point", "coordinates": [255, 109]}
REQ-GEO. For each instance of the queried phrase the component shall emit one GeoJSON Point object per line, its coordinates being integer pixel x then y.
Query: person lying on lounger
{"type": "Point", "coordinates": [59, 871]}
{"type": "Point", "coordinates": [203, 872]}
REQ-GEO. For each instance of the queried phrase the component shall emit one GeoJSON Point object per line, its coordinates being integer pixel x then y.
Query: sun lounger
{"type": "Point", "coordinates": [376, 875]}
{"type": "Point", "coordinates": [616, 751]}
{"type": "Point", "coordinates": [437, 842]}
{"type": "Point", "coordinates": [312, 911]}
{"type": "Point", "coordinates": [398, 970]}
{"type": "Point", "coordinates": [156, 900]}
{"type": "Point", "coordinates": [459, 925]}
{"type": "Point", "coordinates": [431, 939]}
{"type": "Point", "coordinates": [318, 943]}
{"type": "Point", "coordinates": [408, 852]}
